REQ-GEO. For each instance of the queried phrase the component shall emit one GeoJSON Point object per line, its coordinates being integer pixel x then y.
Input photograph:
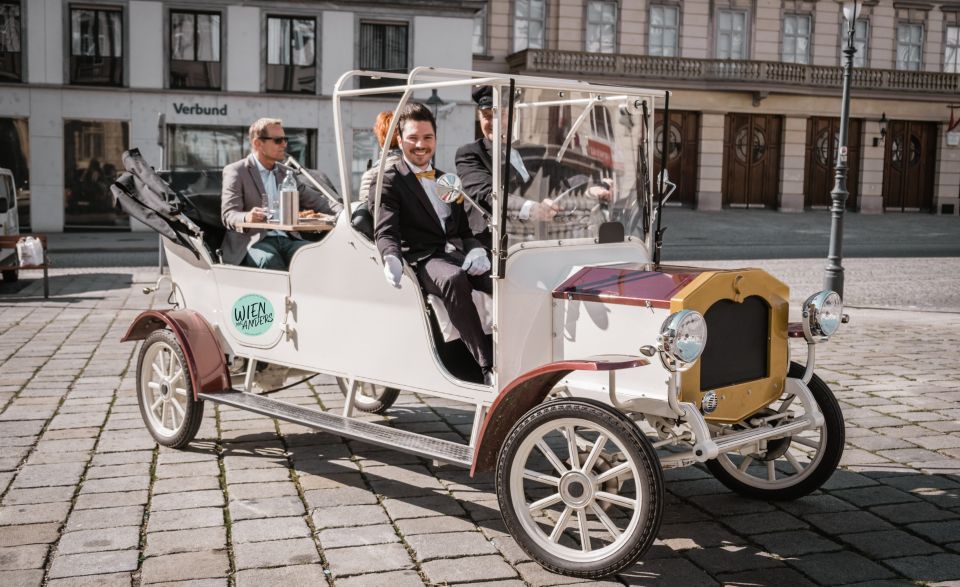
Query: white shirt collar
{"type": "Point", "coordinates": [414, 168]}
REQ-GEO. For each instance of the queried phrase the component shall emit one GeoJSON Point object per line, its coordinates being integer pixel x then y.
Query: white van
{"type": "Point", "coordinates": [9, 224]}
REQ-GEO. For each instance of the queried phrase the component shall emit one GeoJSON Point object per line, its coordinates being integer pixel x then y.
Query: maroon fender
{"type": "Point", "coordinates": [528, 390]}
{"type": "Point", "coordinates": [208, 370]}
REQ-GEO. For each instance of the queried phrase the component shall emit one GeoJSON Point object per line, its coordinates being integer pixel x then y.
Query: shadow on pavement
{"type": "Point", "coordinates": [64, 288]}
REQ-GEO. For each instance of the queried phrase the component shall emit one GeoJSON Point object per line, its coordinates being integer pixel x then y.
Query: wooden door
{"type": "Point", "coordinates": [910, 154]}
{"type": "Point", "coordinates": [683, 146]}
{"type": "Point", "coordinates": [751, 160]}
{"type": "Point", "coordinates": [823, 137]}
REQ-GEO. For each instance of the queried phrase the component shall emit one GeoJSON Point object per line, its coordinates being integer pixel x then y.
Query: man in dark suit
{"type": "Point", "coordinates": [249, 187]}
{"type": "Point", "coordinates": [475, 168]}
{"type": "Point", "coordinates": [433, 236]}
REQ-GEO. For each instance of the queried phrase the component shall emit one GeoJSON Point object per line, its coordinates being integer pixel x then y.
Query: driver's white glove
{"type": "Point", "coordinates": [392, 270]}
{"type": "Point", "coordinates": [476, 262]}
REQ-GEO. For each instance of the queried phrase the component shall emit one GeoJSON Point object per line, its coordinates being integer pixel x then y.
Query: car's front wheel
{"type": "Point", "coordinates": [580, 488]}
{"type": "Point", "coordinates": [791, 467]}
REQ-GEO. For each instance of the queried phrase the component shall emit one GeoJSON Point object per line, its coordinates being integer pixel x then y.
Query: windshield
{"type": "Point", "coordinates": [579, 160]}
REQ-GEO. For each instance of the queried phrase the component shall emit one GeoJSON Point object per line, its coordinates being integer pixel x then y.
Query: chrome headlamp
{"type": "Point", "coordinates": [822, 315]}
{"type": "Point", "coordinates": [682, 339]}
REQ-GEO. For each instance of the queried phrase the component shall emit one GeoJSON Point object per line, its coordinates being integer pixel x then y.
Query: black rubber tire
{"type": "Point", "coordinates": [387, 395]}
{"type": "Point", "coordinates": [642, 452]}
{"type": "Point", "coordinates": [193, 407]}
{"type": "Point", "coordinates": [11, 275]}
{"type": "Point", "coordinates": [832, 452]}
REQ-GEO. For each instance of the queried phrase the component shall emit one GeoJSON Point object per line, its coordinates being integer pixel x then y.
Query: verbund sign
{"type": "Point", "coordinates": [181, 108]}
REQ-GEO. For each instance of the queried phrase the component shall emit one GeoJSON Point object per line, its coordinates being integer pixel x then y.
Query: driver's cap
{"type": "Point", "coordinates": [483, 96]}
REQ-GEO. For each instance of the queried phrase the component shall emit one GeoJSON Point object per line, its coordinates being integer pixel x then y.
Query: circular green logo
{"type": "Point", "coordinates": [252, 314]}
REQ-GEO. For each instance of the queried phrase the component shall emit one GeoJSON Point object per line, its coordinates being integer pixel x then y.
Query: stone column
{"type": "Point", "coordinates": [792, 164]}
{"type": "Point", "coordinates": [711, 162]}
{"type": "Point", "coordinates": [871, 170]}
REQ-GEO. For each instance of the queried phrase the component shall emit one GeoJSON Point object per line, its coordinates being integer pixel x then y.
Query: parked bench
{"type": "Point", "coordinates": [10, 242]}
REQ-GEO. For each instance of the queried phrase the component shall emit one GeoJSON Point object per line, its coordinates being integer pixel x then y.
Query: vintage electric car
{"type": "Point", "coordinates": [609, 366]}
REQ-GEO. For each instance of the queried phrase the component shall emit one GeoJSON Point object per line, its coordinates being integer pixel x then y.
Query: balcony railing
{"type": "Point", "coordinates": [729, 72]}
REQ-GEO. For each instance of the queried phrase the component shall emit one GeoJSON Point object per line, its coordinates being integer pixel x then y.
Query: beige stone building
{"type": "Point", "coordinates": [757, 91]}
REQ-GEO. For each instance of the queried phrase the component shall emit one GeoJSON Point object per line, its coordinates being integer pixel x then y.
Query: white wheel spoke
{"type": "Point", "coordinates": [153, 408]}
{"type": "Point", "coordinates": [612, 473]}
{"type": "Point", "coordinates": [541, 477]}
{"type": "Point", "coordinates": [171, 362]}
{"type": "Point", "coordinates": [178, 408]}
{"type": "Point", "coordinates": [594, 453]}
{"type": "Point", "coordinates": [161, 355]}
{"type": "Point", "coordinates": [771, 471]}
{"type": "Point", "coordinates": [793, 461]}
{"type": "Point", "coordinates": [158, 369]}
{"type": "Point", "coordinates": [584, 531]}
{"type": "Point", "coordinates": [181, 391]}
{"type": "Point", "coordinates": [173, 416]}
{"type": "Point", "coordinates": [544, 503]}
{"type": "Point", "coordinates": [744, 464]}
{"type": "Point", "coordinates": [617, 499]}
{"type": "Point", "coordinates": [572, 447]}
{"type": "Point", "coordinates": [153, 385]}
{"type": "Point", "coordinates": [551, 456]}
{"type": "Point", "coordinates": [814, 444]}
{"type": "Point", "coordinates": [605, 520]}
{"type": "Point", "coordinates": [561, 524]}
{"type": "Point", "coordinates": [176, 376]}
{"type": "Point", "coordinates": [163, 413]}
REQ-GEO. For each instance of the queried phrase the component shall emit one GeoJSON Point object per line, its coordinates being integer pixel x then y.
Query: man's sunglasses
{"type": "Point", "coordinates": [276, 140]}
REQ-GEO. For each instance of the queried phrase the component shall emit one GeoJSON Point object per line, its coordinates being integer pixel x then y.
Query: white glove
{"type": "Point", "coordinates": [476, 262]}
{"type": "Point", "coordinates": [392, 270]}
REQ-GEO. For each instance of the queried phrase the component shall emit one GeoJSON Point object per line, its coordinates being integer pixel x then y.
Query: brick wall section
{"type": "Point", "coordinates": [711, 162]}
{"type": "Point", "coordinates": [791, 174]}
{"type": "Point", "coordinates": [766, 32]}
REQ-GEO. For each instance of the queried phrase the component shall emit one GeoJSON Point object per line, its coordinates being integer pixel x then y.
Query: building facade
{"type": "Point", "coordinates": [756, 91]}
{"type": "Point", "coordinates": [82, 81]}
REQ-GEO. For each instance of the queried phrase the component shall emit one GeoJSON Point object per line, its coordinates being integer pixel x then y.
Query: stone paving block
{"type": "Point", "coordinates": [357, 515]}
{"type": "Point", "coordinates": [111, 580]}
{"type": "Point", "coordinates": [184, 519]}
{"type": "Point", "coordinates": [93, 563]}
{"type": "Point", "coordinates": [938, 532]}
{"type": "Point", "coordinates": [35, 495]}
{"type": "Point", "coordinates": [324, 498]}
{"type": "Point", "coordinates": [840, 567]}
{"type": "Point", "coordinates": [732, 559]}
{"type": "Point", "coordinates": [181, 484]}
{"type": "Point", "coordinates": [358, 560]}
{"type": "Point", "coordinates": [766, 577]}
{"type": "Point", "coordinates": [260, 490]}
{"type": "Point", "coordinates": [729, 503]}
{"type": "Point", "coordinates": [120, 538]}
{"type": "Point", "coordinates": [844, 522]}
{"type": "Point", "coordinates": [16, 558]}
{"type": "Point", "coordinates": [875, 495]}
{"type": "Point", "coordinates": [394, 579]}
{"type": "Point", "coordinates": [298, 551]}
{"type": "Point", "coordinates": [115, 484]}
{"type": "Point", "coordinates": [121, 458]}
{"type": "Point", "coordinates": [889, 544]}
{"type": "Point", "coordinates": [187, 500]}
{"type": "Point", "coordinates": [105, 518]}
{"type": "Point", "coordinates": [697, 535]}
{"type": "Point", "coordinates": [758, 523]}
{"type": "Point", "coordinates": [33, 514]}
{"type": "Point", "coordinates": [202, 469]}
{"type": "Point", "coordinates": [25, 578]}
{"type": "Point", "coordinates": [58, 458]}
{"type": "Point", "coordinates": [794, 543]}
{"type": "Point", "coordinates": [450, 545]}
{"type": "Point", "coordinates": [49, 475]}
{"type": "Point", "coordinates": [269, 529]}
{"type": "Point", "coordinates": [258, 476]}
{"type": "Point", "coordinates": [88, 501]}
{"type": "Point", "coordinates": [357, 536]}
{"type": "Point", "coordinates": [110, 471]}
{"type": "Point", "coordinates": [269, 507]}
{"type": "Point", "coordinates": [421, 507]}
{"type": "Point", "coordinates": [298, 575]}
{"type": "Point", "coordinates": [434, 525]}
{"type": "Point", "coordinates": [331, 481]}
{"type": "Point", "coordinates": [197, 539]}
{"type": "Point", "coordinates": [29, 534]}
{"type": "Point", "coordinates": [187, 566]}
{"type": "Point", "coordinates": [909, 513]}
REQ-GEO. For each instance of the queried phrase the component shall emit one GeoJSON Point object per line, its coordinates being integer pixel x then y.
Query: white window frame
{"type": "Point", "coordinates": [519, 44]}
{"type": "Point", "coordinates": [480, 31]}
{"type": "Point", "coordinates": [605, 45]}
{"type": "Point", "coordinates": [744, 52]}
{"type": "Point", "coordinates": [904, 65]}
{"type": "Point", "coordinates": [796, 56]}
{"type": "Point", "coordinates": [662, 49]}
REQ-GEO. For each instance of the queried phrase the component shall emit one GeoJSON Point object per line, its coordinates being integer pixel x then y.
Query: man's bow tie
{"type": "Point", "coordinates": [432, 174]}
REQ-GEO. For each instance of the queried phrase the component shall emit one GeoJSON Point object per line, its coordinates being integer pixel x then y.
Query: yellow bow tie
{"type": "Point", "coordinates": [432, 174]}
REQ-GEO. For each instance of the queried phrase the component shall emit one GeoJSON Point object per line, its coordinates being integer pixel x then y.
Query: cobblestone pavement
{"type": "Point", "coordinates": [87, 497]}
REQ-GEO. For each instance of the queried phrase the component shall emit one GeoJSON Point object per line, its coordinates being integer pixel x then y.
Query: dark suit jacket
{"type": "Point", "coordinates": [475, 168]}
{"type": "Point", "coordinates": [243, 190]}
{"type": "Point", "coordinates": [408, 226]}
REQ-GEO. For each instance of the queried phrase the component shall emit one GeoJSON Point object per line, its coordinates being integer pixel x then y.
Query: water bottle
{"type": "Point", "coordinates": [289, 199]}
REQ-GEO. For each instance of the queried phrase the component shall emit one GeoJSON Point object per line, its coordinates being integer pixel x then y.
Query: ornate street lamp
{"type": "Point", "coordinates": [833, 272]}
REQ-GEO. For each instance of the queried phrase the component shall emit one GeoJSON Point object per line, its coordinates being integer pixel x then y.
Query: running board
{"type": "Point", "coordinates": [378, 434]}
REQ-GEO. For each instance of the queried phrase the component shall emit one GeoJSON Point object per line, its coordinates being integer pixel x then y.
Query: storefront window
{"type": "Point", "coordinates": [92, 161]}
{"type": "Point", "coordinates": [195, 148]}
{"type": "Point", "coordinates": [291, 55]}
{"type": "Point", "coordinates": [14, 155]}
{"type": "Point", "coordinates": [10, 49]}
{"type": "Point", "coordinates": [195, 50]}
{"type": "Point", "coordinates": [96, 41]}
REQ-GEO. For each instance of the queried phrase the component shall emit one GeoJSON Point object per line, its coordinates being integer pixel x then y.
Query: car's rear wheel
{"type": "Point", "coordinates": [165, 391]}
{"type": "Point", "coordinates": [580, 488]}
{"type": "Point", "coordinates": [11, 275]}
{"type": "Point", "coordinates": [371, 398]}
{"type": "Point", "coordinates": [791, 467]}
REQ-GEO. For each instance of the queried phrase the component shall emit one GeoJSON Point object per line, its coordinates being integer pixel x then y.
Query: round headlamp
{"type": "Point", "coordinates": [822, 314]}
{"type": "Point", "coordinates": [683, 336]}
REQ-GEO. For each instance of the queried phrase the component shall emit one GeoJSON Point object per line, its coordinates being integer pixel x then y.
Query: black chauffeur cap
{"type": "Point", "coordinates": [483, 96]}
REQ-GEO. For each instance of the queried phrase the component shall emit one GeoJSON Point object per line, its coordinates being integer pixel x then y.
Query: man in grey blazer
{"type": "Point", "coordinates": [248, 187]}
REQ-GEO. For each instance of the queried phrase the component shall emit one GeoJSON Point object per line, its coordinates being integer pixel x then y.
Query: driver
{"type": "Point", "coordinates": [434, 237]}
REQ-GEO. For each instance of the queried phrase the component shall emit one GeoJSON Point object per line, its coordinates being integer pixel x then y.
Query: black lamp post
{"type": "Point", "coordinates": [833, 273]}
